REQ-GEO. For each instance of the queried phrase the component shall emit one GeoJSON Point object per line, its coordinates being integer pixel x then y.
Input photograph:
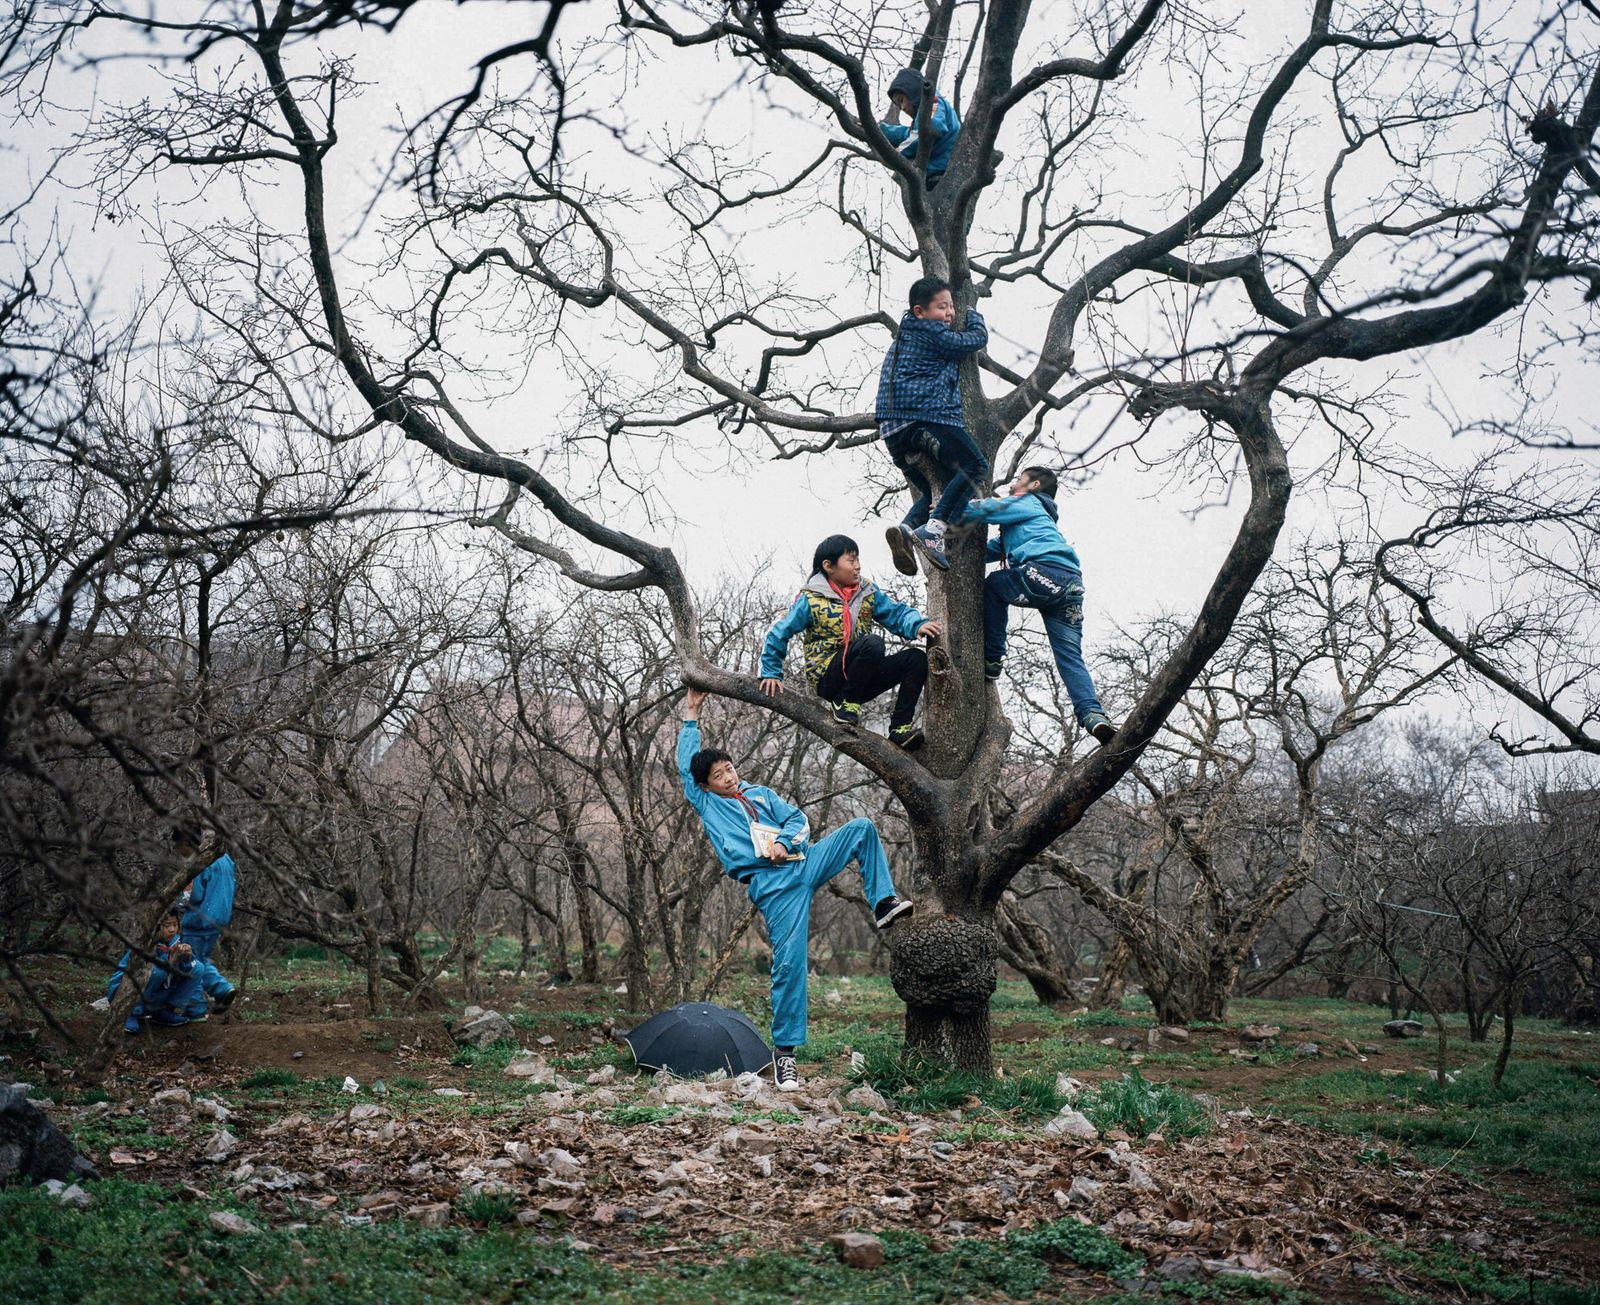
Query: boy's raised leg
{"type": "Point", "coordinates": [856, 841]}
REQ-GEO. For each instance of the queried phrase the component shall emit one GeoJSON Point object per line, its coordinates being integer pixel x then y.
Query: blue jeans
{"type": "Point", "coordinates": [783, 896]}
{"type": "Point", "coordinates": [211, 983]}
{"type": "Point", "coordinates": [961, 460]}
{"type": "Point", "coordinates": [1057, 592]}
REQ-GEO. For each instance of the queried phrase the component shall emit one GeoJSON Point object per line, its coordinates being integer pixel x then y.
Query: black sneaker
{"type": "Point", "coordinates": [993, 670]}
{"type": "Point", "coordinates": [907, 737]}
{"type": "Point", "coordinates": [1103, 730]}
{"type": "Point", "coordinates": [847, 713]}
{"type": "Point", "coordinates": [222, 1001]}
{"type": "Point", "coordinates": [785, 1073]}
{"type": "Point", "coordinates": [900, 549]}
{"type": "Point", "coordinates": [889, 910]}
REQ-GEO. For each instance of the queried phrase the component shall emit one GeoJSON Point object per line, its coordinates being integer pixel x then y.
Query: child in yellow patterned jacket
{"type": "Point", "coordinates": [845, 662]}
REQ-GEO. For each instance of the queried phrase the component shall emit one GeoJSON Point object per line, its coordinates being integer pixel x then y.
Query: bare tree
{"type": "Point", "coordinates": [1287, 275]}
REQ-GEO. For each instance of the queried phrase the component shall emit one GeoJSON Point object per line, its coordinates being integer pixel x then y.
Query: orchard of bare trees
{"type": "Point", "coordinates": [366, 438]}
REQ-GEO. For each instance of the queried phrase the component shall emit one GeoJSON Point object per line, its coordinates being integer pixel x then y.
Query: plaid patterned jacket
{"type": "Point", "coordinates": [921, 375]}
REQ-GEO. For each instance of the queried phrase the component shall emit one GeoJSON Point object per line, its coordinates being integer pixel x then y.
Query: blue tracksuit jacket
{"type": "Point", "coordinates": [211, 898]}
{"type": "Point", "coordinates": [921, 375]}
{"type": "Point", "coordinates": [944, 123]}
{"type": "Point", "coordinates": [817, 614]}
{"type": "Point", "coordinates": [728, 821]}
{"type": "Point", "coordinates": [1028, 530]}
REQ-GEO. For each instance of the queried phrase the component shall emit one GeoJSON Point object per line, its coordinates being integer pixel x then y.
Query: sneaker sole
{"type": "Point", "coordinates": [912, 743]}
{"type": "Point", "coordinates": [1104, 734]}
{"type": "Point", "coordinates": [901, 551]}
{"type": "Point", "coordinates": [905, 908]}
{"type": "Point", "coordinates": [788, 1087]}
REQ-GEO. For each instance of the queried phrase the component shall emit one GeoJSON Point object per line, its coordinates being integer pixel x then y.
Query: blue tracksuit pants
{"type": "Point", "coordinates": [211, 983]}
{"type": "Point", "coordinates": [1058, 594]}
{"type": "Point", "coordinates": [783, 896]}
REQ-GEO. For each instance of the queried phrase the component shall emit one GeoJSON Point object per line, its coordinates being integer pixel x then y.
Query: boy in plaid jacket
{"type": "Point", "coordinates": [919, 410]}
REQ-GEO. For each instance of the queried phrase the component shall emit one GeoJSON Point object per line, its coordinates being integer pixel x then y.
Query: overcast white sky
{"type": "Point", "coordinates": [1144, 547]}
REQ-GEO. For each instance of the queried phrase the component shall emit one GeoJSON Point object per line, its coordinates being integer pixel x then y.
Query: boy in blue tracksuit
{"type": "Point", "coordinates": [207, 911]}
{"type": "Point", "coordinates": [944, 123]}
{"type": "Point", "coordinates": [919, 411]}
{"type": "Point", "coordinates": [845, 662]}
{"type": "Point", "coordinates": [765, 844]}
{"type": "Point", "coordinates": [174, 983]}
{"type": "Point", "coordinates": [1038, 569]}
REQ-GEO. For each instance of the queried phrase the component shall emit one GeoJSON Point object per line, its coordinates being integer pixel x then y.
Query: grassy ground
{"type": "Point", "coordinates": [1456, 1192]}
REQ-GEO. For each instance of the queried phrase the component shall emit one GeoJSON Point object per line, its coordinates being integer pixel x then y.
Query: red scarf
{"type": "Point", "coordinates": [848, 595]}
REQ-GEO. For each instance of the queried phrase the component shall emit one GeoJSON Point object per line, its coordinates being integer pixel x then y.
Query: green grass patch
{"type": "Point", "coordinates": [125, 1247]}
{"type": "Point", "coordinates": [626, 1116]}
{"type": "Point", "coordinates": [1140, 1107]}
{"type": "Point", "coordinates": [482, 1208]}
{"type": "Point", "coordinates": [917, 1084]}
{"type": "Point", "coordinates": [270, 1078]}
{"type": "Point", "coordinates": [1106, 1019]}
{"type": "Point", "coordinates": [1543, 1120]}
{"type": "Point", "coordinates": [497, 1055]}
{"type": "Point", "coordinates": [1464, 1274]}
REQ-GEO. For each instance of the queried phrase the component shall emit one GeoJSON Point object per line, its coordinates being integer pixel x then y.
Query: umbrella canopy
{"type": "Point", "coordinates": [698, 1038]}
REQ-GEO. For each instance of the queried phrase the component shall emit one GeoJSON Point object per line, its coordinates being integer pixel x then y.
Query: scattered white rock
{"type": "Point", "coordinates": [211, 1108]}
{"type": "Point", "coordinates": [219, 1146]}
{"type": "Point", "coordinates": [448, 1092]}
{"type": "Point", "coordinates": [227, 1222]}
{"type": "Point", "coordinates": [486, 1027]}
{"type": "Point", "coordinates": [1072, 1123]}
{"type": "Point", "coordinates": [857, 1249]}
{"type": "Point", "coordinates": [605, 1074]}
{"type": "Point", "coordinates": [1068, 1086]}
{"type": "Point", "coordinates": [561, 1163]}
{"type": "Point", "coordinates": [69, 1194]}
{"type": "Point", "coordinates": [531, 1066]}
{"type": "Point", "coordinates": [866, 1097]}
{"type": "Point", "coordinates": [1404, 1029]}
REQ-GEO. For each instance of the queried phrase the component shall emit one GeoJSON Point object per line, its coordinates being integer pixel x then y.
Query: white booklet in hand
{"type": "Point", "coordinates": [761, 837]}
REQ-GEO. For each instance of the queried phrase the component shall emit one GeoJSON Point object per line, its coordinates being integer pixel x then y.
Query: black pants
{"type": "Point", "coordinates": [869, 671]}
{"type": "Point", "coordinates": [961, 461]}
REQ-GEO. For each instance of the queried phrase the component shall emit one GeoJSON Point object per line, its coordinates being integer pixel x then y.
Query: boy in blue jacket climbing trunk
{"type": "Point", "coordinates": [1038, 569]}
{"type": "Point", "coordinates": [906, 92]}
{"type": "Point", "coordinates": [845, 662]}
{"type": "Point", "coordinates": [919, 411]}
{"type": "Point", "coordinates": [764, 843]}
{"type": "Point", "coordinates": [173, 984]}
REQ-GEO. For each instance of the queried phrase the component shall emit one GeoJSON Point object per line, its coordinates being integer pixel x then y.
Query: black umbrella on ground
{"type": "Point", "coordinates": [699, 1038]}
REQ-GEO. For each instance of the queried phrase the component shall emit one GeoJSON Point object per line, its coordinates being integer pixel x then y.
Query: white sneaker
{"type": "Point", "coordinates": [785, 1073]}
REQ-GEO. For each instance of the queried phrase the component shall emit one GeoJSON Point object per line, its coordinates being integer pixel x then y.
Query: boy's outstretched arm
{"type": "Point", "coordinates": [776, 648]}
{"type": "Point", "coordinates": [958, 344]}
{"type": "Point", "coordinates": [902, 618]}
{"type": "Point", "coordinates": [689, 744]}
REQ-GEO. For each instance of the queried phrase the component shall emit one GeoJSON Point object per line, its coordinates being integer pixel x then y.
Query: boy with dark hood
{"type": "Point", "coordinates": [764, 843]}
{"type": "Point", "coordinates": [944, 123]}
{"type": "Point", "coordinates": [1038, 568]}
{"type": "Point", "coordinates": [919, 411]}
{"type": "Point", "coordinates": [845, 662]}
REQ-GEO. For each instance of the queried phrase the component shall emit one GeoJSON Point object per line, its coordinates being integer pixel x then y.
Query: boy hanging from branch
{"type": "Point", "coordinates": [764, 844]}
